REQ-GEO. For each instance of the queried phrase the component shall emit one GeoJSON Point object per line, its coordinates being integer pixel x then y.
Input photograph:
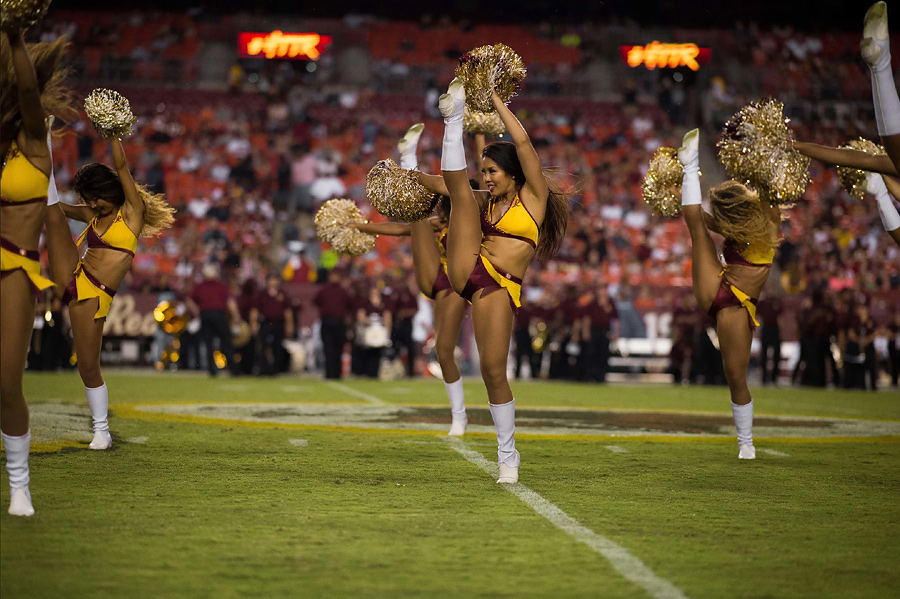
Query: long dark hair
{"type": "Point", "coordinates": [56, 97]}
{"type": "Point", "coordinates": [97, 180]}
{"type": "Point", "coordinates": [556, 218]}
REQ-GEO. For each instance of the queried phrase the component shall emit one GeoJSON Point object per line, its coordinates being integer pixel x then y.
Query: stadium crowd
{"type": "Point", "coordinates": [247, 166]}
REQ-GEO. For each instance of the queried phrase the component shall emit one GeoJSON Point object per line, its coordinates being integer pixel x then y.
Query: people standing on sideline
{"type": "Point", "coordinates": [373, 325]}
{"type": "Point", "coordinates": [597, 329]}
{"type": "Point", "coordinates": [335, 309]}
{"type": "Point", "coordinates": [769, 314]}
{"type": "Point", "coordinates": [404, 306]}
{"type": "Point", "coordinates": [211, 300]}
{"type": "Point", "coordinates": [271, 320]}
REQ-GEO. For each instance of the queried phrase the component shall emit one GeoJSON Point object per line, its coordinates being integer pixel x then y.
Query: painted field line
{"type": "Point", "coordinates": [628, 566]}
{"type": "Point", "coordinates": [775, 452]}
{"type": "Point", "coordinates": [299, 442]}
{"type": "Point", "coordinates": [616, 449]}
{"type": "Point", "coordinates": [138, 440]}
{"type": "Point", "coordinates": [341, 387]}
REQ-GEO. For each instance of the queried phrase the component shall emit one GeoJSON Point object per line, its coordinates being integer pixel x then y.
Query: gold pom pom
{"type": "Point", "coordinates": [397, 194]}
{"type": "Point", "coordinates": [486, 123]}
{"type": "Point", "coordinates": [332, 222]}
{"type": "Point", "coordinates": [487, 69]}
{"type": "Point", "coordinates": [18, 15]}
{"type": "Point", "coordinates": [756, 150]}
{"type": "Point", "coordinates": [854, 179]}
{"type": "Point", "coordinates": [110, 113]}
{"type": "Point", "coordinates": [662, 183]}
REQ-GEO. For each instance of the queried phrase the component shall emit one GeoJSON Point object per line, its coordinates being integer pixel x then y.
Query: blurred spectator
{"type": "Point", "coordinates": [597, 330]}
{"type": "Point", "coordinates": [403, 306]}
{"type": "Point", "coordinates": [769, 314]}
{"type": "Point", "coordinates": [211, 301]}
{"type": "Point", "coordinates": [335, 309]}
{"type": "Point", "coordinates": [271, 319]}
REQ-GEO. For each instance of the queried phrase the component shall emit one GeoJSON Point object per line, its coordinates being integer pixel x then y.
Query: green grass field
{"type": "Point", "coordinates": [203, 499]}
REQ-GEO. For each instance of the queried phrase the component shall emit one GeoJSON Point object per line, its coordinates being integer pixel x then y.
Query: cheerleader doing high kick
{"type": "Point", "coordinates": [430, 267]}
{"type": "Point", "coordinates": [729, 293]}
{"type": "Point", "coordinates": [491, 240]}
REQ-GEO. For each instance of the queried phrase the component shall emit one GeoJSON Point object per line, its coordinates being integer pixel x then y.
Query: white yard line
{"type": "Point", "coordinates": [299, 442]}
{"type": "Point", "coordinates": [138, 440]}
{"type": "Point", "coordinates": [616, 449]}
{"type": "Point", "coordinates": [775, 452]}
{"type": "Point", "coordinates": [341, 387]}
{"type": "Point", "coordinates": [627, 565]}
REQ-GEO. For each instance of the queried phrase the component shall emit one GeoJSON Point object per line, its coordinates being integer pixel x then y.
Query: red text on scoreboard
{"type": "Point", "coordinates": [278, 44]}
{"type": "Point", "coordinates": [656, 55]}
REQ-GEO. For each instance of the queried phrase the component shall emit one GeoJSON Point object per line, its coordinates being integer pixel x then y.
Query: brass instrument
{"type": "Point", "coordinates": [538, 337]}
{"type": "Point", "coordinates": [172, 319]}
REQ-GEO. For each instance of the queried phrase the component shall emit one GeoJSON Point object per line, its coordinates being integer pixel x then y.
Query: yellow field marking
{"type": "Point", "coordinates": [723, 412]}
{"type": "Point", "coordinates": [133, 411]}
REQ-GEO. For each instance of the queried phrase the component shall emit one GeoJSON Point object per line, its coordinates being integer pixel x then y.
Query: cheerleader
{"type": "Point", "coordinates": [34, 90]}
{"type": "Point", "coordinates": [491, 241]}
{"type": "Point", "coordinates": [429, 244]}
{"type": "Point", "coordinates": [117, 211]}
{"type": "Point", "coordinates": [729, 293]}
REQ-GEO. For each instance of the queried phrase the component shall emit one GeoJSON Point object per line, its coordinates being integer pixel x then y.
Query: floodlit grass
{"type": "Point", "coordinates": [207, 510]}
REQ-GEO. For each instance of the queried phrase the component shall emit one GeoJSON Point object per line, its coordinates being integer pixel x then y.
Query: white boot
{"type": "Point", "coordinates": [875, 185]}
{"type": "Point", "coordinates": [689, 156]}
{"type": "Point", "coordinates": [508, 459]}
{"type": "Point", "coordinates": [457, 408]}
{"type": "Point", "coordinates": [452, 106]}
{"type": "Point", "coordinates": [876, 51]}
{"type": "Point", "coordinates": [408, 144]}
{"type": "Point", "coordinates": [743, 422]}
{"type": "Point", "coordinates": [98, 401]}
{"type": "Point", "coordinates": [17, 449]}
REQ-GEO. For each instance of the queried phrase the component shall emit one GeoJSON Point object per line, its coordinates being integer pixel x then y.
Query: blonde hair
{"type": "Point", "coordinates": [739, 215]}
{"type": "Point", "coordinates": [56, 98]}
{"type": "Point", "coordinates": [158, 215]}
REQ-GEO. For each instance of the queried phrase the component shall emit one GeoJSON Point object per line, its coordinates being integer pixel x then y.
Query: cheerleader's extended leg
{"type": "Point", "coordinates": [706, 273]}
{"type": "Point", "coordinates": [464, 230]}
{"type": "Point", "coordinates": [876, 51]}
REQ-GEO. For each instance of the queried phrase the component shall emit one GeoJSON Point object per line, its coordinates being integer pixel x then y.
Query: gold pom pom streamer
{"type": "Point", "coordinates": [756, 150]}
{"type": "Point", "coordinates": [662, 183]}
{"type": "Point", "coordinates": [332, 222]}
{"type": "Point", "coordinates": [110, 113]}
{"type": "Point", "coordinates": [397, 194]}
{"type": "Point", "coordinates": [854, 179]}
{"type": "Point", "coordinates": [486, 123]}
{"type": "Point", "coordinates": [490, 68]}
{"type": "Point", "coordinates": [18, 15]}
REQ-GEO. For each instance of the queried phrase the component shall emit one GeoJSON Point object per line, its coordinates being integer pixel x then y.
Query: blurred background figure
{"type": "Point", "coordinates": [769, 314]}
{"type": "Point", "coordinates": [211, 300]}
{"type": "Point", "coordinates": [271, 320]}
{"type": "Point", "coordinates": [598, 325]}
